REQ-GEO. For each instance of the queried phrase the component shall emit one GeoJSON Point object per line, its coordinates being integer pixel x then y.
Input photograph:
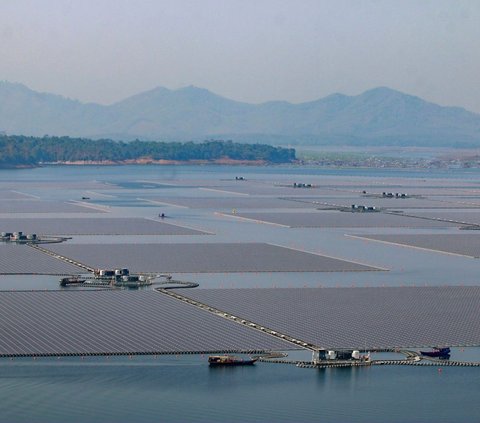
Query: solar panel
{"type": "Point", "coordinates": [94, 226]}
{"type": "Point", "coordinates": [337, 219]}
{"type": "Point", "coordinates": [206, 257]}
{"type": "Point", "coordinates": [117, 322]}
{"type": "Point", "coordinates": [386, 203]}
{"type": "Point", "coordinates": [40, 206]}
{"type": "Point", "coordinates": [358, 317]}
{"type": "Point", "coordinates": [464, 244]}
{"type": "Point", "coordinates": [229, 203]}
{"type": "Point", "coordinates": [21, 259]}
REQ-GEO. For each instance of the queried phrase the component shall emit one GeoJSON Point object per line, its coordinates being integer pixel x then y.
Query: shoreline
{"type": "Point", "coordinates": [160, 162]}
{"type": "Point", "coordinates": [231, 162]}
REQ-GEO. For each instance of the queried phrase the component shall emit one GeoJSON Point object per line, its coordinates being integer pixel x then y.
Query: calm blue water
{"type": "Point", "coordinates": [185, 389]}
{"type": "Point", "coordinates": [125, 173]}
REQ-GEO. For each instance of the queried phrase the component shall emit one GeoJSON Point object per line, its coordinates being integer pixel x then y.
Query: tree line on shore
{"type": "Point", "coordinates": [18, 150]}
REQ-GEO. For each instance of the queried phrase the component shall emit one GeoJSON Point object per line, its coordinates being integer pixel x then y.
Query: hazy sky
{"type": "Point", "coordinates": [248, 50]}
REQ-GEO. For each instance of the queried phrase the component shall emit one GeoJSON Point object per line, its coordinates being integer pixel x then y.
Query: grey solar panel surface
{"type": "Point", "coordinates": [207, 257]}
{"type": "Point", "coordinates": [464, 244]}
{"type": "Point", "coordinates": [387, 203]}
{"type": "Point", "coordinates": [358, 317]}
{"type": "Point", "coordinates": [21, 259]}
{"type": "Point", "coordinates": [117, 322]}
{"type": "Point", "coordinates": [280, 190]}
{"type": "Point", "coordinates": [12, 195]}
{"type": "Point", "coordinates": [94, 226]}
{"type": "Point", "coordinates": [50, 184]}
{"type": "Point", "coordinates": [229, 203]}
{"type": "Point", "coordinates": [464, 201]}
{"type": "Point", "coordinates": [338, 219]}
{"type": "Point", "coordinates": [434, 191]}
{"type": "Point", "coordinates": [469, 217]}
{"type": "Point", "coordinates": [40, 206]}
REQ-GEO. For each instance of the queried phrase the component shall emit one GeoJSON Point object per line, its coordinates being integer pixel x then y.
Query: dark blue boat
{"type": "Point", "coordinates": [230, 360]}
{"type": "Point", "coordinates": [437, 352]}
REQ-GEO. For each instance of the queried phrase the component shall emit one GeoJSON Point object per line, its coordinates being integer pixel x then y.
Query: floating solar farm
{"type": "Point", "coordinates": [338, 219]}
{"type": "Point", "coordinates": [121, 322]}
{"type": "Point", "coordinates": [13, 195]}
{"type": "Point", "coordinates": [386, 203]}
{"type": "Point", "coordinates": [470, 217]}
{"type": "Point", "coordinates": [374, 318]}
{"type": "Point", "coordinates": [40, 206]}
{"type": "Point", "coordinates": [96, 226]}
{"type": "Point", "coordinates": [462, 244]}
{"type": "Point", "coordinates": [262, 232]}
{"type": "Point", "coordinates": [229, 203]}
{"type": "Point", "coordinates": [210, 258]}
{"type": "Point", "coordinates": [22, 259]}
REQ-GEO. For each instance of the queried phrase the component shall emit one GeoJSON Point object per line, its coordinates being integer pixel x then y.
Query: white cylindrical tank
{"type": "Point", "coordinates": [118, 272]}
{"type": "Point", "coordinates": [102, 272]}
{"type": "Point", "coordinates": [356, 355]}
{"type": "Point", "coordinates": [331, 355]}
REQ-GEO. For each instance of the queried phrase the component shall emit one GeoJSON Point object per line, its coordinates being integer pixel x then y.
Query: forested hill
{"type": "Point", "coordinates": [18, 150]}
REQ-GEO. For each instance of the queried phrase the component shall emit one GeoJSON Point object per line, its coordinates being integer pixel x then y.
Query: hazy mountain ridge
{"type": "Point", "coordinates": [380, 116]}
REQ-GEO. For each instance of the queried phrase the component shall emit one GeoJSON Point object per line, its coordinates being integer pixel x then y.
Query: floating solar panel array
{"type": "Point", "coordinates": [464, 202]}
{"type": "Point", "coordinates": [12, 195]}
{"type": "Point", "coordinates": [239, 202]}
{"type": "Point", "coordinates": [358, 317]}
{"type": "Point", "coordinates": [385, 203]}
{"type": "Point", "coordinates": [20, 259]}
{"type": "Point", "coordinates": [49, 184]}
{"type": "Point", "coordinates": [195, 258]}
{"type": "Point", "coordinates": [117, 322]}
{"type": "Point", "coordinates": [278, 190]}
{"type": "Point", "coordinates": [471, 217]}
{"type": "Point", "coordinates": [40, 206]}
{"type": "Point", "coordinates": [94, 226]}
{"type": "Point", "coordinates": [463, 244]}
{"type": "Point", "coordinates": [338, 219]}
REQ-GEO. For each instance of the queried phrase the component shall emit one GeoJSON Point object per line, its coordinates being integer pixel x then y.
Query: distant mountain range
{"type": "Point", "coordinates": [380, 116]}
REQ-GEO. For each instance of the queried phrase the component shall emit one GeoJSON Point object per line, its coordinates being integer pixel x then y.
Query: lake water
{"type": "Point", "coordinates": [184, 388]}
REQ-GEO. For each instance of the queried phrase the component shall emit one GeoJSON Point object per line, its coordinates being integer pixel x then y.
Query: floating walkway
{"type": "Point", "coordinates": [412, 358]}
{"type": "Point", "coordinates": [330, 364]}
{"type": "Point", "coordinates": [61, 257]}
{"type": "Point", "coordinates": [299, 344]}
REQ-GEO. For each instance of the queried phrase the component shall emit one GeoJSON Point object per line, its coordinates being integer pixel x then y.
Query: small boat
{"type": "Point", "coordinates": [230, 360]}
{"type": "Point", "coordinates": [72, 280]}
{"type": "Point", "coordinates": [437, 352]}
